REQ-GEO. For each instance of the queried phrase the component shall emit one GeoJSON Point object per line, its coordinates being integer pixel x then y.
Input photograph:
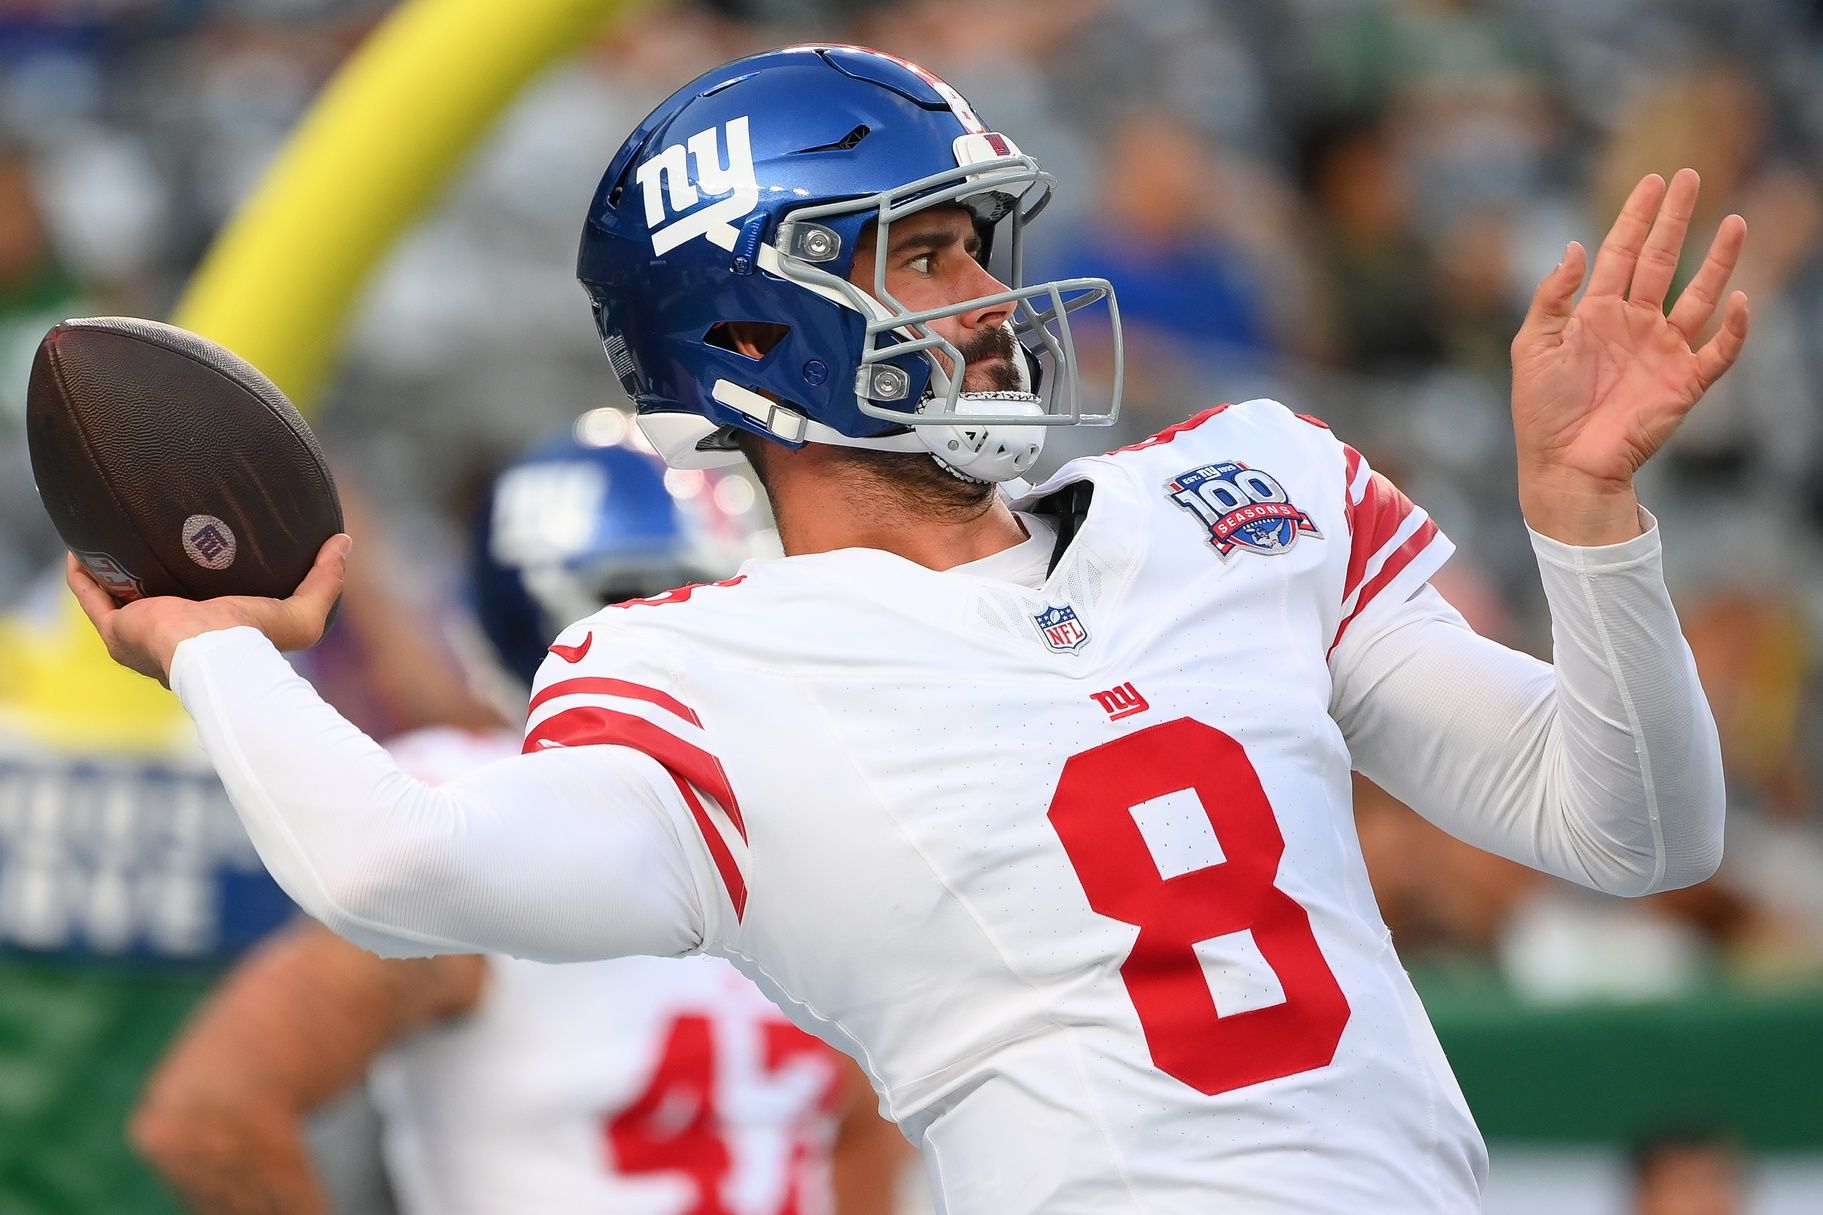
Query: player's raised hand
{"type": "Point", "coordinates": [1599, 384]}
{"type": "Point", "coordinates": [143, 635]}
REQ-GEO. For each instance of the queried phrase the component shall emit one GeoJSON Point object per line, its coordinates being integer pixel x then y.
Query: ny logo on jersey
{"type": "Point", "coordinates": [1123, 701]}
{"type": "Point", "coordinates": [1242, 508]}
{"type": "Point", "coordinates": [671, 189]}
{"type": "Point", "coordinates": [1062, 631]}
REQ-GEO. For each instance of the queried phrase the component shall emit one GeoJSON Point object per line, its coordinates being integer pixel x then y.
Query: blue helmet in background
{"type": "Point", "coordinates": [741, 200]}
{"type": "Point", "coordinates": [587, 519]}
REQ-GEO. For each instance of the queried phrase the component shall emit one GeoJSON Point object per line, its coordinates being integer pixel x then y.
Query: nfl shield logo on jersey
{"type": "Point", "coordinates": [1062, 631]}
{"type": "Point", "coordinates": [1242, 508]}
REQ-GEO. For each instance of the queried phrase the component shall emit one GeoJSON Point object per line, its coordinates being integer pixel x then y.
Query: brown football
{"type": "Point", "coordinates": [170, 466]}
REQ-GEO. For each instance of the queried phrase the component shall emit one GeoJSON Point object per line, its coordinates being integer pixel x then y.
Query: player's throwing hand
{"type": "Point", "coordinates": [144, 634]}
{"type": "Point", "coordinates": [1599, 384]}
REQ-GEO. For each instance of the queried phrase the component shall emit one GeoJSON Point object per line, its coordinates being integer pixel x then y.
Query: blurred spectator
{"type": "Point", "coordinates": [1753, 452]}
{"type": "Point", "coordinates": [1193, 314]}
{"type": "Point", "coordinates": [1158, 230]}
{"type": "Point", "coordinates": [36, 291]}
{"type": "Point", "coordinates": [1378, 297]}
{"type": "Point", "coordinates": [1687, 1171]}
{"type": "Point", "coordinates": [1478, 310]}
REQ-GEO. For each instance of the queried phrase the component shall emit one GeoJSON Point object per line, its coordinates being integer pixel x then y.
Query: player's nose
{"type": "Point", "coordinates": [981, 284]}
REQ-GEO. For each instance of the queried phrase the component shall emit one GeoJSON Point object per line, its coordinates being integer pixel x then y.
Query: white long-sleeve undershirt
{"type": "Point", "coordinates": [571, 854]}
{"type": "Point", "coordinates": [1604, 769]}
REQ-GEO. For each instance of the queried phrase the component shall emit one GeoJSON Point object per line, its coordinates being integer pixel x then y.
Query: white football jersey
{"type": "Point", "coordinates": [1071, 870]}
{"type": "Point", "coordinates": [639, 1086]}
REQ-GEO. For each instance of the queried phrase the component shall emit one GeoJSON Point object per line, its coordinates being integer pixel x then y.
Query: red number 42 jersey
{"type": "Point", "coordinates": [1070, 868]}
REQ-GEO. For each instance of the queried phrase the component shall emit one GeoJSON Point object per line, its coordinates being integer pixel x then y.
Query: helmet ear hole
{"type": "Point", "coordinates": [749, 339]}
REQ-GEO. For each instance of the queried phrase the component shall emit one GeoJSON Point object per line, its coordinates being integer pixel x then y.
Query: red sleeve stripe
{"type": "Point", "coordinates": [1389, 548]}
{"type": "Point", "coordinates": [1171, 432]}
{"type": "Point", "coordinates": [1378, 517]}
{"type": "Point", "coordinates": [1395, 564]}
{"type": "Point", "coordinates": [592, 725]}
{"type": "Point", "coordinates": [603, 686]}
{"type": "Point", "coordinates": [730, 872]}
{"type": "Point", "coordinates": [1357, 474]}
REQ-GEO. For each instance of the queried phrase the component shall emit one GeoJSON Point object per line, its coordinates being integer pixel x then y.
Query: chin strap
{"type": "Point", "coordinates": [994, 453]}
{"type": "Point", "coordinates": [987, 453]}
{"type": "Point", "coordinates": [973, 453]}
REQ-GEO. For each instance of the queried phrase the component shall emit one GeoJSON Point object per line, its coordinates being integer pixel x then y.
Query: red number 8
{"type": "Point", "coordinates": [1188, 1038]}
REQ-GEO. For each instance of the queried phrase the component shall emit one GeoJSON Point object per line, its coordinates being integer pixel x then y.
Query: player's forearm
{"type": "Point", "coordinates": [232, 1163]}
{"type": "Point", "coordinates": [1603, 768]}
{"type": "Point", "coordinates": [1639, 744]}
{"type": "Point", "coordinates": [294, 1025]}
{"type": "Point", "coordinates": [865, 1172]}
{"type": "Point", "coordinates": [869, 1157]}
{"type": "Point", "coordinates": [562, 856]}
{"type": "Point", "coordinates": [303, 780]}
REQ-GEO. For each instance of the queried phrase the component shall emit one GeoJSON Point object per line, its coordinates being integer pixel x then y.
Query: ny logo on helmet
{"type": "Point", "coordinates": [670, 189]}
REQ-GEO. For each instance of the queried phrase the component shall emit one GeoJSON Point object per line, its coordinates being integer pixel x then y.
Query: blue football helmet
{"type": "Point", "coordinates": [741, 199]}
{"type": "Point", "coordinates": [578, 523]}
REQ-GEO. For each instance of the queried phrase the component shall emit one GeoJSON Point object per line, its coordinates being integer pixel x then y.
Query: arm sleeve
{"type": "Point", "coordinates": [1604, 768]}
{"type": "Point", "coordinates": [567, 854]}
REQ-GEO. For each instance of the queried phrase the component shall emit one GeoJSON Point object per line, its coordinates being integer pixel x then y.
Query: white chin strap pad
{"type": "Point", "coordinates": [987, 453]}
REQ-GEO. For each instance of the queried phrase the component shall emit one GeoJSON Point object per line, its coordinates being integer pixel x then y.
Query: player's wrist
{"type": "Point", "coordinates": [1579, 509]}
{"type": "Point", "coordinates": [162, 638]}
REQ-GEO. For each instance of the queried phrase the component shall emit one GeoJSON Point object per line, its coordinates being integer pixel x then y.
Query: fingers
{"type": "Point", "coordinates": [1552, 303]}
{"type": "Point", "coordinates": [1619, 252]}
{"type": "Point", "coordinates": [1719, 352]}
{"type": "Point", "coordinates": [1657, 260]}
{"type": "Point", "coordinates": [95, 602]}
{"type": "Point", "coordinates": [1698, 302]}
{"type": "Point", "coordinates": [309, 605]}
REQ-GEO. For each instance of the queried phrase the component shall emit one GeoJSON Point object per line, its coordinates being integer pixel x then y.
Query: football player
{"type": "Point", "coordinates": [1037, 804]}
{"type": "Point", "coordinates": [638, 1085]}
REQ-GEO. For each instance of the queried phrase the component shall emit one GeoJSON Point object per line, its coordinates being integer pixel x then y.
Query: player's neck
{"type": "Point", "coordinates": [937, 544]}
{"type": "Point", "coordinates": [824, 502]}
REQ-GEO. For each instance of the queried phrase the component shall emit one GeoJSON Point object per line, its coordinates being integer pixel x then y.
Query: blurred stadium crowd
{"type": "Point", "coordinates": [1341, 203]}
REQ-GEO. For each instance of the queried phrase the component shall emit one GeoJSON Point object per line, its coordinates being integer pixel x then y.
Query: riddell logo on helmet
{"type": "Point", "coordinates": [671, 189]}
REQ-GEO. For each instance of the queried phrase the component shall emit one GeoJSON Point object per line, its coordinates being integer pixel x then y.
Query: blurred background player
{"type": "Point", "coordinates": [1687, 1170]}
{"type": "Point", "coordinates": [651, 1086]}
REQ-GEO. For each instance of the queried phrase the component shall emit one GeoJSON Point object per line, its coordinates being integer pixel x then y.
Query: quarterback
{"type": "Point", "coordinates": [1035, 801]}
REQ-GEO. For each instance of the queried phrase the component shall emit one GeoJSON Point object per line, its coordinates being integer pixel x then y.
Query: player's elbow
{"type": "Point", "coordinates": [1691, 829]}
{"type": "Point", "coordinates": [1698, 863]}
{"type": "Point", "coordinates": [181, 1138]}
{"type": "Point", "coordinates": [1688, 851]}
{"type": "Point", "coordinates": [1692, 811]}
{"type": "Point", "coordinates": [156, 1135]}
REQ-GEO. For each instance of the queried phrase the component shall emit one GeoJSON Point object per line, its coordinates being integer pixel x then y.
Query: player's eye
{"type": "Point", "coordinates": [922, 264]}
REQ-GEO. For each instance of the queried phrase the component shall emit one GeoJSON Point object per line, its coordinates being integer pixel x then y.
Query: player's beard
{"type": "Point", "coordinates": [918, 481]}
{"type": "Point", "coordinates": [988, 362]}
{"type": "Point", "coordinates": [913, 481]}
